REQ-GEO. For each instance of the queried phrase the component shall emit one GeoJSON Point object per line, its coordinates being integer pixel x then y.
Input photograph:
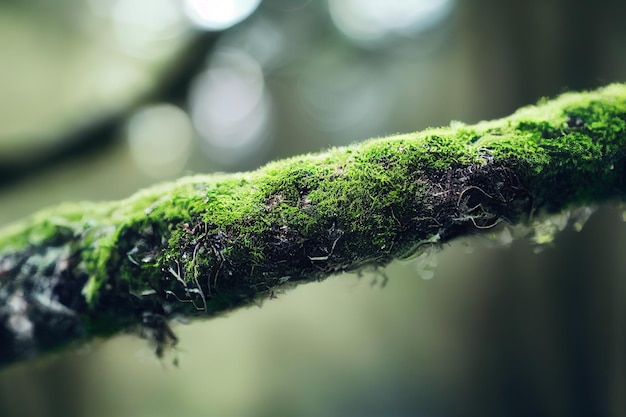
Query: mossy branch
{"type": "Point", "coordinates": [207, 244]}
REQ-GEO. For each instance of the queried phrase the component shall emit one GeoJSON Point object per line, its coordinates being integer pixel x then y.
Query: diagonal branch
{"type": "Point", "coordinates": [204, 245]}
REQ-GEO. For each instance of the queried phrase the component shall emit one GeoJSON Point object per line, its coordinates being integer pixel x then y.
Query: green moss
{"type": "Point", "coordinates": [567, 149]}
{"type": "Point", "coordinates": [212, 242]}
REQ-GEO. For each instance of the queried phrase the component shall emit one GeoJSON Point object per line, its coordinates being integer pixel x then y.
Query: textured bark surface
{"type": "Point", "coordinates": [207, 244]}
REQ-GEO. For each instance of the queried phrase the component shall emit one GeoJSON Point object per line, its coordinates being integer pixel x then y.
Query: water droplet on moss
{"type": "Point", "coordinates": [426, 273]}
{"type": "Point", "coordinates": [502, 237]}
{"type": "Point", "coordinates": [426, 262]}
{"type": "Point", "coordinates": [580, 217]}
{"type": "Point", "coordinates": [545, 230]}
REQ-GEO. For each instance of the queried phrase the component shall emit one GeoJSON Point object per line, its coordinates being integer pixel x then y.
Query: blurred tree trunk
{"type": "Point", "coordinates": [552, 339]}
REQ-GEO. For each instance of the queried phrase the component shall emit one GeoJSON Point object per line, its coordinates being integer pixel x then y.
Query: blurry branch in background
{"type": "Point", "coordinates": [95, 133]}
{"type": "Point", "coordinates": [204, 245]}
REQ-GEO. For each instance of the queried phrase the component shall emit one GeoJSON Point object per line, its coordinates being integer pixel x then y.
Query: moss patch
{"type": "Point", "coordinates": [209, 243]}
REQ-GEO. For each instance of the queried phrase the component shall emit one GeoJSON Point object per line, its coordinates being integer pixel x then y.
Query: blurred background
{"type": "Point", "coordinates": [101, 97]}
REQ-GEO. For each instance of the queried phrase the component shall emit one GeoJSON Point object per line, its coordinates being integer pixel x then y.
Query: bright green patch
{"type": "Point", "coordinates": [369, 202]}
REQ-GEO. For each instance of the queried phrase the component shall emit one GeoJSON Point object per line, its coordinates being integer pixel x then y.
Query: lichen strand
{"type": "Point", "coordinates": [206, 244]}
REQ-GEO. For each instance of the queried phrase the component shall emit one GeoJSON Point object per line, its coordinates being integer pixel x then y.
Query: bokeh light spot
{"type": "Point", "coordinates": [371, 21]}
{"type": "Point", "coordinates": [230, 107]}
{"type": "Point", "coordinates": [142, 26]}
{"type": "Point", "coordinates": [346, 99]}
{"type": "Point", "coordinates": [160, 138]}
{"type": "Point", "coordinates": [219, 14]}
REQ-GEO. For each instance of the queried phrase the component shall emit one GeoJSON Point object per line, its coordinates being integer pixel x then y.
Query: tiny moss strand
{"type": "Point", "coordinates": [206, 244]}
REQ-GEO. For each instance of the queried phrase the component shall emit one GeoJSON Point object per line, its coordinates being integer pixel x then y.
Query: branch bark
{"type": "Point", "coordinates": [207, 244]}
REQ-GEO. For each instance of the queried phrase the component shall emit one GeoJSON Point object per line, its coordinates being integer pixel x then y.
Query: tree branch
{"type": "Point", "coordinates": [207, 244]}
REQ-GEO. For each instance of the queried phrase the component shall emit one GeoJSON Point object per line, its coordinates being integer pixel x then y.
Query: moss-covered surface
{"type": "Point", "coordinates": [207, 244]}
